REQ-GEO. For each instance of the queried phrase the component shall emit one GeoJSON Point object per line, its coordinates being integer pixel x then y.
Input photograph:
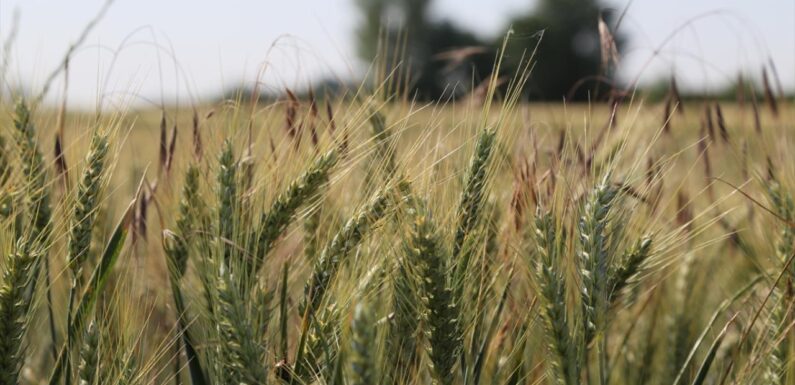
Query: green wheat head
{"type": "Point", "coordinates": [86, 204]}
{"type": "Point", "coordinates": [440, 314]}
{"type": "Point", "coordinates": [14, 306]}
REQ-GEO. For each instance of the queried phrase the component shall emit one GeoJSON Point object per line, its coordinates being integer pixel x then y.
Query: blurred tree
{"type": "Point", "coordinates": [438, 58]}
{"type": "Point", "coordinates": [569, 53]}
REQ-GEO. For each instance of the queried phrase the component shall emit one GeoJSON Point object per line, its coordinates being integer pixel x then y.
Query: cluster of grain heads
{"type": "Point", "coordinates": [672, 100]}
{"type": "Point", "coordinates": [605, 269]}
{"type": "Point", "coordinates": [323, 274]}
{"type": "Point", "coordinates": [436, 295]}
{"type": "Point", "coordinates": [236, 306]}
{"type": "Point", "coordinates": [434, 302]}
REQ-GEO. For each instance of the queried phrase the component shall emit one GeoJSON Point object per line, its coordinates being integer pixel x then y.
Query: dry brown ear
{"type": "Point", "coordinates": [707, 124]}
{"type": "Point", "coordinates": [703, 150]}
{"type": "Point", "coordinates": [163, 155]}
{"type": "Point", "coordinates": [677, 98]}
{"type": "Point", "coordinates": [138, 225]}
{"type": "Point", "coordinates": [171, 147]}
{"type": "Point", "coordinates": [313, 116]}
{"type": "Point", "coordinates": [771, 168]}
{"type": "Point", "coordinates": [667, 114]}
{"type": "Point", "coordinates": [739, 95]}
{"type": "Point", "coordinates": [755, 110]}
{"type": "Point", "coordinates": [332, 124]}
{"type": "Point", "coordinates": [273, 148]}
{"type": "Point", "coordinates": [724, 133]}
{"type": "Point", "coordinates": [60, 161]}
{"type": "Point", "coordinates": [291, 113]}
{"type": "Point", "coordinates": [198, 149]}
{"type": "Point", "coordinates": [770, 98]}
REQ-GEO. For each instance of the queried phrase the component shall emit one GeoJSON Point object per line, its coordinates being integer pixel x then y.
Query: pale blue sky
{"type": "Point", "coordinates": [217, 44]}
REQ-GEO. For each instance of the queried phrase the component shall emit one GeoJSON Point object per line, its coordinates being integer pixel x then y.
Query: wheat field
{"type": "Point", "coordinates": [370, 239]}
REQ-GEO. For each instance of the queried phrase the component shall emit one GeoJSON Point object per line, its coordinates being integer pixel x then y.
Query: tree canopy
{"type": "Point", "coordinates": [444, 59]}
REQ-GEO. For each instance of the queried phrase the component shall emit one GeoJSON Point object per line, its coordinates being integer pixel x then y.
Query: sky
{"type": "Point", "coordinates": [148, 51]}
